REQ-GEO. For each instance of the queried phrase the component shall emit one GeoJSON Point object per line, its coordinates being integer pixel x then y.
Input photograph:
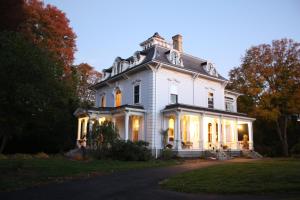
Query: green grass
{"type": "Point", "coordinates": [265, 176]}
{"type": "Point", "coordinates": [21, 173]}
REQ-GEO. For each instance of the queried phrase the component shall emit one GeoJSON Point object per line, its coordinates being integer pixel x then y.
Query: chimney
{"type": "Point", "coordinates": [177, 42]}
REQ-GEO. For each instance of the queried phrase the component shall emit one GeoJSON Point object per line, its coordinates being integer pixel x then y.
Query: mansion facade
{"type": "Point", "coordinates": [161, 89]}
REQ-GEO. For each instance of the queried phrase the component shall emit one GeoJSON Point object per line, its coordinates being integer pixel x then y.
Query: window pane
{"type": "Point", "coordinates": [210, 100]}
{"type": "Point", "coordinates": [174, 98]}
{"type": "Point", "coordinates": [118, 98]}
{"type": "Point", "coordinates": [137, 94]}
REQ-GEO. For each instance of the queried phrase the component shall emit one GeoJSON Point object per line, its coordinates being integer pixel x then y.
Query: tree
{"type": "Point", "coordinates": [48, 27]}
{"type": "Point", "coordinates": [269, 76]}
{"type": "Point", "coordinates": [35, 103]}
{"type": "Point", "coordinates": [87, 77]}
{"type": "Point", "coordinates": [11, 14]}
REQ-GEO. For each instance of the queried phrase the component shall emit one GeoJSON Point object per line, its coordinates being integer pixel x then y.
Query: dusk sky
{"type": "Point", "coordinates": [219, 31]}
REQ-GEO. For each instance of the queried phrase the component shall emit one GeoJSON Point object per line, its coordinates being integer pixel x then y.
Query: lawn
{"type": "Point", "coordinates": [260, 177]}
{"type": "Point", "coordinates": [20, 173]}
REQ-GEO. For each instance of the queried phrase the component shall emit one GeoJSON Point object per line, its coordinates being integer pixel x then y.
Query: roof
{"type": "Point", "coordinates": [191, 63]}
{"type": "Point", "coordinates": [204, 109]}
{"type": "Point", "coordinates": [108, 110]}
{"type": "Point", "coordinates": [157, 53]}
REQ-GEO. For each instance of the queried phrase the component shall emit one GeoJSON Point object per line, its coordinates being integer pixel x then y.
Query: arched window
{"type": "Point", "coordinates": [209, 132]}
{"type": "Point", "coordinates": [103, 101]}
{"type": "Point", "coordinates": [136, 126]}
{"type": "Point", "coordinates": [118, 97]}
{"type": "Point", "coordinates": [171, 129]}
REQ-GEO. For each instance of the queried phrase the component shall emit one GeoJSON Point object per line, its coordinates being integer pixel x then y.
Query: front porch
{"type": "Point", "coordinates": [128, 120]}
{"type": "Point", "coordinates": [198, 130]}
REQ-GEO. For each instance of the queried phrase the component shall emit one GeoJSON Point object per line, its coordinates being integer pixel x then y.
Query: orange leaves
{"type": "Point", "coordinates": [48, 27]}
{"type": "Point", "coordinates": [270, 75]}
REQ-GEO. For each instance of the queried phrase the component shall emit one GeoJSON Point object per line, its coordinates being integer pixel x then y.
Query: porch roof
{"type": "Point", "coordinates": [183, 107]}
{"type": "Point", "coordinates": [109, 110]}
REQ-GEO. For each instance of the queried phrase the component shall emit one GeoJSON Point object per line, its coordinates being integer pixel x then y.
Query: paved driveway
{"type": "Point", "coordinates": [135, 184]}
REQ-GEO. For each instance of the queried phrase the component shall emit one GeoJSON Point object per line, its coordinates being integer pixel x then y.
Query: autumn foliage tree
{"type": "Point", "coordinates": [49, 28]}
{"type": "Point", "coordinates": [44, 25]}
{"type": "Point", "coordinates": [269, 76]}
{"type": "Point", "coordinates": [38, 87]}
{"type": "Point", "coordinates": [87, 76]}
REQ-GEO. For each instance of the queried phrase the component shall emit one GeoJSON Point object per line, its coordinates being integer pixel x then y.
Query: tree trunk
{"type": "Point", "coordinates": [281, 125]}
{"type": "Point", "coordinates": [3, 143]}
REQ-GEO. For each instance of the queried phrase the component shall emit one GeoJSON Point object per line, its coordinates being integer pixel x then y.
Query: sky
{"type": "Point", "coordinates": [219, 31]}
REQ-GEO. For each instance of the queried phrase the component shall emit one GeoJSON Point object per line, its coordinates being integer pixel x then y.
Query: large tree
{"type": "Point", "coordinates": [35, 102]}
{"type": "Point", "coordinates": [44, 25]}
{"type": "Point", "coordinates": [269, 76]}
{"type": "Point", "coordinates": [49, 28]}
{"type": "Point", "coordinates": [11, 14]}
{"type": "Point", "coordinates": [87, 76]}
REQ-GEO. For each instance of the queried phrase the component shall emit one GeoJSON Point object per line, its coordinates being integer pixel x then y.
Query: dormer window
{"type": "Point", "coordinates": [210, 69]}
{"type": "Point", "coordinates": [174, 58]}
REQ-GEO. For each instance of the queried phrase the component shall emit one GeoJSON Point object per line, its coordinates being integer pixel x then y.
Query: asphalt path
{"type": "Point", "coordinates": [134, 184]}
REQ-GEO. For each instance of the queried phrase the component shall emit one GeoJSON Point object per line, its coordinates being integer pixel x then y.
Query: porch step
{"type": "Point", "coordinates": [251, 154]}
{"type": "Point", "coordinates": [189, 154]}
{"type": "Point", "coordinates": [218, 155]}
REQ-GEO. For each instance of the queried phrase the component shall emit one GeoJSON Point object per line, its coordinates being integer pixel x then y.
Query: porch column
{"type": "Point", "coordinates": [177, 132]}
{"type": "Point", "coordinates": [113, 119]}
{"type": "Point", "coordinates": [85, 129]}
{"type": "Point", "coordinates": [201, 131]}
{"type": "Point", "coordinates": [141, 128]}
{"type": "Point", "coordinates": [126, 125]}
{"type": "Point", "coordinates": [79, 131]}
{"type": "Point", "coordinates": [91, 123]}
{"type": "Point", "coordinates": [250, 130]}
{"type": "Point", "coordinates": [85, 121]}
{"type": "Point", "coordinates": [219, 132]}
{"type": "Point", "coordinates": [235, 134]}
{"type": "Point", "coordinates": [224, 132]}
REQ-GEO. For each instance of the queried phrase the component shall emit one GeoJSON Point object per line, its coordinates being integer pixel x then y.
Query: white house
{"type": "Point", "coordinates": [162, 88]}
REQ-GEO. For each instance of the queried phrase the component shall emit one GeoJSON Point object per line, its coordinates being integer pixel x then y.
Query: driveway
{"type": "Point", "coordinates": [134, 184]}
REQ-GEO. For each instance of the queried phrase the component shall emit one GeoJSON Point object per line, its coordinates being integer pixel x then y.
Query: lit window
{"type": "Point", "coordinates": [171, 130]}
{"type": "Point", "coordinates": [174, 98]}
{"type": "Point", "coordinates": [103, 102]}
{"type": "Point", "coordinates": [136, 126]}
{"type": "Point", "coordinates": [101, 120]}
{"type": "Point", "coordinates": [118, 97]}
{"type": "Point", "coordinates": [209, 132]}
{"type": "Point", "coordinates": [210, 100]}
{"type": "Point", "coordinates": [136, 94]}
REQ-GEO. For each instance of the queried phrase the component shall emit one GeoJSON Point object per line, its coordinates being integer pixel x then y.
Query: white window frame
{"type": "Point", "coordinates": [115, 96]}
{"type": "Point", "coordinates": [103, 96]}
{"type": "Point", "coordinates": [171, 98]}
{"type": "Point", "coordinates": [137, 84]}
{"type": "Point", "coordinates": [231, 101]}
{"type": "Point", "coordinates": [173, 90]}
{"type": "Point", "coordinates": [213, 94]}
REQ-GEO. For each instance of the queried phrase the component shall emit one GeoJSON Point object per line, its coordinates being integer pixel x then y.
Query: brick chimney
{"type": "Point", "coordinates": [177, 42]}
